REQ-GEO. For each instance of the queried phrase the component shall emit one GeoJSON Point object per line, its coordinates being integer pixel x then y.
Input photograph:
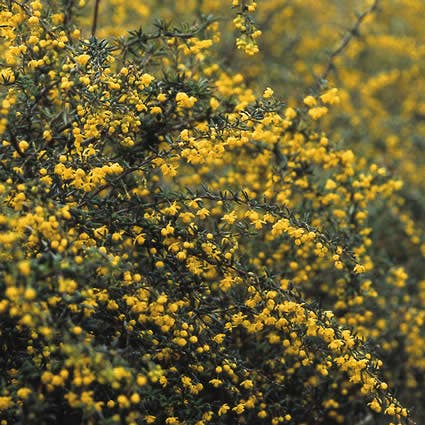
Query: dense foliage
{"type": "Point", "coordinates": [181, 243]}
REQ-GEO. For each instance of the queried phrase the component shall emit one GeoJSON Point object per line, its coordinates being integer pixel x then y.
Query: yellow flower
{"type": "Point", "coordinates": [310, 101]}
{"type": "Point", "coordinates": [5, 402]}
{"type": "Point", "coordinates": [318, 112]}
{"type": "Point", "coordinates": [123, 401]}
{"type": "Point", "coordinates": [358, 268]}
{"type": "Point", "coordinates": [239, 409]}
{"type": "Point", "coordinates": [146, 79]}
{"type": "Point", "coordinates": [247, 384]}
{"type": "Point", "coordinates": [223, 409]}
{"type": "Point", "coordinates": [268, 93]}
{"type": "Point", "coordinates": [24, 267]}
{"type": "Point", "coordinates": [219, 338]}
{"type": "Point", "coordinates": [23, 392]}
{"type": "Point", "coordinates": [215, 382]}
{"type": "Point", "coordinates": [82, 59]}
{"type": "Point", "coordinates": [135, 398]}
{"type": "Point", "coordinates": [331, 96]}
{"type": "Point", "coordinates": [184, 101]}
{"type": "Point", "coordinates": [77, 330]}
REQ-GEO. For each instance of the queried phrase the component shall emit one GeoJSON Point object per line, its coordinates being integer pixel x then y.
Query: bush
{"type": "Point", "coordinates": [179, 245]}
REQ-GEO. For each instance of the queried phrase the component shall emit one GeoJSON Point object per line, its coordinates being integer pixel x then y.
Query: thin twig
{"type": "Point", "coordinates": [95, 15]}
{"type": "Point", "coordinates": [163, 32]}
{"type": "Point", "coordinates": [353, 32]}
{"type": "Point", "coordinates": [68, 11]}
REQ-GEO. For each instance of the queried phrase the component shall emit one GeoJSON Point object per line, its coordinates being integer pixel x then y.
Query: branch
{"type": "Point", "coordinates": [68, 11]}
{"type": "Point", "coordinates": [163, 31]}
{"type": "Point", "coordinates": [353, 32]}
{"type": "Point", "coordinates": [95, 15]}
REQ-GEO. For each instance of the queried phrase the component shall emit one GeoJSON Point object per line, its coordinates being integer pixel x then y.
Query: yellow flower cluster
{"type": "Point", "coordinates": [179, 245]}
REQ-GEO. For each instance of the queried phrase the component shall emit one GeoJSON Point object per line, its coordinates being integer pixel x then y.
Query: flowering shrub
{"type": "Point", "coordinates": [179, 245]}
